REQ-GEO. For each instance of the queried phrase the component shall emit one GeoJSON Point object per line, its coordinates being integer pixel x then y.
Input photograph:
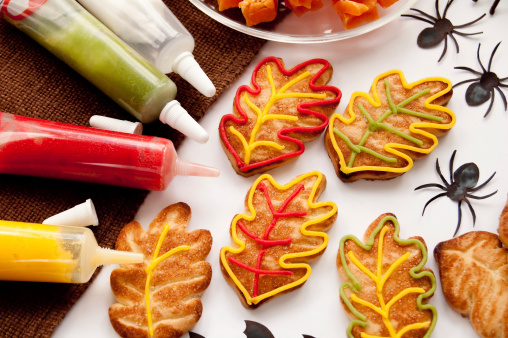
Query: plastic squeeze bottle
{"type": "Point", "coordinates": [49, 253]}
{"type": "Point", "coordinates": [80, 40]}
{"type": "Point", "coordinates": [153, 31]}
{"type": "Point", "coordinates": [42, 148]}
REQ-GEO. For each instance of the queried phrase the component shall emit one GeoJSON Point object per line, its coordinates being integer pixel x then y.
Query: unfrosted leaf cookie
{"type": "Point", "coordinates": [381, 133]}
{"type": "Point", "coordinates": [273, 118]}
{"type": "Point", "coordinates": [386, 287]}
{"type": "Point", "coordinates": [474, 277]}
{"type": "Point", "coordinates": [274, 242]}
{"type": "Point", "coordinates": [160, 297]}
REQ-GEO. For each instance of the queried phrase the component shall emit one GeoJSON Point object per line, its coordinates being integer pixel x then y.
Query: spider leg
{"type": "Point", "coordinates": [479, 60]}
{"type": "Point", "coordinates": [491, 103]}
{"type": "Point", "coordinates": [472, 211]}
{"type": "Point", "coordinates": [493, 8]}
{"type": "Point", "coordinates": [492, 55]}
{"type": "Point", "coordinates": [431, 200]}
{"type": "Point", "coordinates": [418, 18]}
{"type": "Point", "coordinates": [465, 81]}
{"type": "Point", "coordinates": [480, 197]}
{"type": "Point", "coordinates": [465, 34]}
{"type": "Point", "coordinates": [503, 85]}
{"type": "Point", "coordinates": [448, 4]}
{"type": "Point", "coordinates": [429, 185]}
{"type": "Point", "coordinates": [503, 97]}
{"type": "Point", "coordinates": [459, 219]}
{"type": "Point", "coordinates": [455, 41]}
{"type": "Point", "coordinates": [437, 8]}
{"type": "Point", "coordinates": [471, 22]}
{"type": "Point", "coordinates": [424, 14]}
{"type": "Point", "coordinates": [445, 47]}
{"type": "Point", "coordinates": [469, 70]}
{"type": "Point", "coordinates": [452, 159]}
{"type": "Point", "coordinates": [483, 184]}
{"type": "Point", "coordinates": [438, 169]}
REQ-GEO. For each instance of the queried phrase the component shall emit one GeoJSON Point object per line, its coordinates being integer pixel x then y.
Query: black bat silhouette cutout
{"type": "Point", "coordinates": [462, 182]}
{"type": "Point", "coordinates": [483, 86]}
{"type": "Point", "coordinates": [440, 30]}
{"type": "Point", "coordinates": [493, 8]}
{"type": "Point", "coordinates": [252, 330]}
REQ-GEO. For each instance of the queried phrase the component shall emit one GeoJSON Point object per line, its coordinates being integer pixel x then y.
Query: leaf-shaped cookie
{"type": "Point", "coordinates": [382, 132]}
{"type": "Point", "coordinates": [275, 242]}
{"type": "Point", "coordinates": [474, 278]}
{"type": "Point", "coordinates": [272, 120]}
{"type": "Point", "coordinates": [386, 287]}
{"type": "Point", "coordinates": [160, 297]}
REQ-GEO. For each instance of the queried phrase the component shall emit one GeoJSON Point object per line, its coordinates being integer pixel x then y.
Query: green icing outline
{"type": "Point", "coordinates": [356, 287]}
{"type": "Point", "coordinates": [375, 125]}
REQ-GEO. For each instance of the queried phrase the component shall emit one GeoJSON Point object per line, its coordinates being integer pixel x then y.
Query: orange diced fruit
{"type": "Point", "coordinates": [257, 11]}
{"type": "Point", "coordinates": [355, 12]}
{"type": "Point", "coordinates": [386, 3]}
{"type": "Point", "coordinates": [299, 7]}
{"type": "Point", "coordinates": [226, 4]}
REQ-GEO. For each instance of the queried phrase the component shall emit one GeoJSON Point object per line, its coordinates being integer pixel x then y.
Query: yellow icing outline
{"type": "Point", "coordinates": [152, 266]}
{"type": "Point", "coordinates": [392, 147]}
{"type": "Point", "coordinates": [303, 228]}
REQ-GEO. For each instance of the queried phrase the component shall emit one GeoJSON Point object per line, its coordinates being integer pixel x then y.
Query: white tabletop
{"type": "Point", "coordinates": [315, 308]}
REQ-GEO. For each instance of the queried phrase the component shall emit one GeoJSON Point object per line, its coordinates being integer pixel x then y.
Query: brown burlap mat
{"type": "Point", "coordinates": [34, 83]}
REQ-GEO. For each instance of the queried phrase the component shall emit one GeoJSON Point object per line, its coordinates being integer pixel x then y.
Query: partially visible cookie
{"type": "Point", "coordinates": [474, 278]}
{"type": "Point", "coordinates": [272, 119]}
{"type": "Point", "coordinates": [273, 244]}
{"type": "Point", "coordinates": [503, 226]}
{"type": "Point", "coordinates": [160, 297]}
{"type": "Point", "coordinates": [386, 287]}
{"type": "Point", "coordinates": [383, 132]}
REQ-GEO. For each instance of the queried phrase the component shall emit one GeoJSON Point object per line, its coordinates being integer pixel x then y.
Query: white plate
{"type": "Point", "coordinates": [322, 25]}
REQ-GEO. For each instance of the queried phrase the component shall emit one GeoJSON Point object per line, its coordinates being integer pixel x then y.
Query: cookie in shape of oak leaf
{"type": "Point", "coordinates": [278, 237]}
{"type": "Point", "coordinates": [386, 288]}
{"type": "Point", "coordinates": [160, 297]}
{"type": "Point", "coordinates": [381, 133]}
{"type": "Point", "coordinates": [272, 119]}
{"type": "Point", "coordinates": [474, 278]}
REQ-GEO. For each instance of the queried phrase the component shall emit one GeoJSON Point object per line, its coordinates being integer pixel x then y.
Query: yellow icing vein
{"type": "Point", "coordinates": [152, 266]}
{"type": "Point", "coordinates": [263, 115]}
{"type": "Point", "coordinates": [283, 259]}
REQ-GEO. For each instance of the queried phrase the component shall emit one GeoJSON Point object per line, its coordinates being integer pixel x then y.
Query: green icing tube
{"type": "Point", "coordinates": [76, 37]}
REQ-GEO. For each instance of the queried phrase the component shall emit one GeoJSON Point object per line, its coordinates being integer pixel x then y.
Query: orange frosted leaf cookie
{"type": "Point", "coordinates": [272, 119]}
{"type": "Point", "coordinates": [160, 297]}
{"type": "Point", "coordinates": [386, 287]}
{"type": "Point", "coordinates": [474, 277]}
{"type": "Point", "coordinates": [383, 132]}
{"type": "Point", "coordinates": [275, 241]}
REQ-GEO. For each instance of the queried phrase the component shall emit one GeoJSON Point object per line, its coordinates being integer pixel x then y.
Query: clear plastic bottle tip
{"type": "Point", "coordinates": [83, 214]}
{"type": "Point", "coordinates": [186, 168]}
{"type": "Point", "coordinates": [105, 256]}
{"type": "Point", "coordinates": [108, 123]}
{"type": "Point", "coordinates": [174, 115]}
{"type": "Point", "coordinates": [186, 66]}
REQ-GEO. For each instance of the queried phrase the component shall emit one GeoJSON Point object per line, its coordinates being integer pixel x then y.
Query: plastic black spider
{"type": "Point", "coordinates": [442, 28]}
{"type": "Point", "coordinates": [463, 182]}
{"type": "Point", "coordinates": [483, 87]}
{"type": "Point", "coordinates": [493, 8]}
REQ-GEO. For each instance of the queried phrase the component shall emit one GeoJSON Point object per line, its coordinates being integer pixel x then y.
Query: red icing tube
{"type": "Point", "coordinates": [41, 148]}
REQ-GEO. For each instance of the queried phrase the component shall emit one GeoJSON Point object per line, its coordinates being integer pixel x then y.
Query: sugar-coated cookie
{"type": "Point", "coordinates": [272, 119]}
{"type": "Point", "coordinates": [386, 288]}
{"type": "Point", "coordinates": [274, 242]}
{"type": "Point", "coordinates": [474, 277]}
{"type": "Point", "coordinates": [160, 297]}
{"type": "Point", "coordinates": [383, 132]}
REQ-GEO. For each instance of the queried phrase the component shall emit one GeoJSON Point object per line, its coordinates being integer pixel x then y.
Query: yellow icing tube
{"type": "Point", "coordinates": [49, 253]}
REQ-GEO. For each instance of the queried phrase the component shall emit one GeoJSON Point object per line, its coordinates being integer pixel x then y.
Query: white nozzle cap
{"type": "Point", "coordinates": [108, 123]}
{"type": "Point", "coordinates": [174, 115]}
{"type": "Point", "coordinates": [81, 215]}
{"type": "Point", "coordinates": [186, 66]}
